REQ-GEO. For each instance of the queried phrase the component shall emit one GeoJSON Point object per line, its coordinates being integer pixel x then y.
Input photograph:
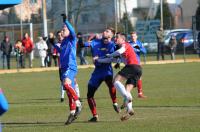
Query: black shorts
{"type": "Point", "coordinates": [132, 73]}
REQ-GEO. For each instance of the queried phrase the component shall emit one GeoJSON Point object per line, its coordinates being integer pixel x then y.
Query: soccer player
{"type": "Point", "coordinates": [69, 69]}
{"type": "Point", "coordinates": [102, 72]}
{"type": "Point", "coordinates": [132, 71]}
{"type": "Point", "coordinates": [138, 48]}
{"type": "Point", "coordinates": [62, 90]}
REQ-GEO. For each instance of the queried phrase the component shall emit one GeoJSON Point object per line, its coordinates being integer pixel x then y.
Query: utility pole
{"type": "Point", "coordinates": [44, 14]}
{"type": "Point", "coordinates": [66, 8]}
{"type": "Point", "coordinates": [116, 15]}
{"type": "Point", "coordinates": [161, 14]}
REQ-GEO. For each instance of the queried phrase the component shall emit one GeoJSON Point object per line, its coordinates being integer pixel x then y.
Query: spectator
{"type": "Point", "coordinates": [42, 48]}
{"type": "Point", "coordinates": [50, 42]}
{"type": "Point", "coordinates": [172, 45]}
{"type": "Point", "coordinates": [28, 49]}
{"type": "Point", "coordinates": [160, 39]}
{"type": "Point", "coordinates": [6, 47]}
{"type": "Point", "coordinates": [80, 43]}
{"type": "Point", "coordinates": [19, 49]}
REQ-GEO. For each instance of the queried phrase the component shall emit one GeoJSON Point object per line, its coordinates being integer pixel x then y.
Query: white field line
{"type": "Point", "coordinates": [89, 66]}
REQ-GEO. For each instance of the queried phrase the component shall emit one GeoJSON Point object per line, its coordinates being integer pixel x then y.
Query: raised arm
{"type": "Point", "coordinates": [71, 29]}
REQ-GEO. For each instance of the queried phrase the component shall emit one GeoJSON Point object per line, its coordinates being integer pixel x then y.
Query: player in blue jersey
{"type": "Point", "coordinates": [102, 72]}
{"type": "Point", "coordinates": [69, 69]}
{"type": "Point", "coordinates": [138, 48]}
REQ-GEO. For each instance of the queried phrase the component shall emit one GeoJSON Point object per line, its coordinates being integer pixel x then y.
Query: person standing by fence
{"type": "Point", "coordinates": [172, 45]}
{"type": "Point", "coordinates": [6, 47]}
{"type": "Point", "coordinates": [28, 49]}
{"type": "Point", "coordinates": [160, 39]}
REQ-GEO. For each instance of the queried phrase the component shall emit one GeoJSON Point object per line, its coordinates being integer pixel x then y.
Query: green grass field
{"type": "Point", "coordinates": [173, 103]}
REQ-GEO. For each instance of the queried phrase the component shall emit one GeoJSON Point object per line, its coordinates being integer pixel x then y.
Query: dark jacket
{"type": "Point", "coordinates": [6, 47]}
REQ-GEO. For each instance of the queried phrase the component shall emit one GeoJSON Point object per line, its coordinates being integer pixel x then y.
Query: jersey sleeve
{"type": "Point", "coordinates": [71, 29]}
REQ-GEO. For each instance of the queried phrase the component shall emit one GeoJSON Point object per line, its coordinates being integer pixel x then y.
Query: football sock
{"type": "Point", "coordinates": [139, 86]}
{"type": "Point", "coordinates": [71, 91]}
{"type": "Point", "coordinates": [112, 91]}
{"type": "Point", "coordinates": [130, 104]}
{"type": "Point", "coordinates": [121, 89]}
{"type": "Point", "coordinates": [92, 105]}
{"type": "Point", "coordinates": [72, 104]}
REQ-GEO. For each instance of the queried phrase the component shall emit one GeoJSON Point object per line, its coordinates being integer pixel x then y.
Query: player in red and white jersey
{"type": "Point", "coordinates": [131, 71]}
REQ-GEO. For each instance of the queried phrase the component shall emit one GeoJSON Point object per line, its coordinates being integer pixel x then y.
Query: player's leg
{"type": "Point", "coordinates": [139, 88]}
{"type": "Point", "coordinates": [72, 107]}
{"type": "Point", "coordinates": [93, 85]}
{"type": "Point", "coordinates": [62, 91]}
{"type": "Point", "coordinates": [68, 82]}
{"type": "Point", "coordinates": [119, 86]}
{"type": "Point", "coordinates": [112, 91]}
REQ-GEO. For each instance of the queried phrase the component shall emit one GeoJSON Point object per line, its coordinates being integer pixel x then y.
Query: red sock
{"type": "Point", "coordinates": [139, 86]}
{"type": "Point", "coordinates": [72, 104]}
{"type": "Point", "coordinates": [71, 91]}
{"type": "Point", "coordinates": [112, 91]}
{"type": "Point", "coordinates": [92, 105]}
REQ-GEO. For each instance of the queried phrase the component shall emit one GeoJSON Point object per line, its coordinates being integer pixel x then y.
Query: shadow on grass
{"type": "Point", "coordinates": [49, 124]}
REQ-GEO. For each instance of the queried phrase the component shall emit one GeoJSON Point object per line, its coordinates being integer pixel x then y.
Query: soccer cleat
{"type": "Point", "coordinates": [94, 119]}
{"type": "Point", "coordinates": [116, 108]}
{"type": "Point", "coordinates": [70, 119]}
{"type": "Point", "coordinates": [61, 100]}
{"type": "Point", "coordinates": [77, 112]}
{"type": "Point", "coordinates": [141, 96]}
{"type": "Point", "coordinates": [127, 115]}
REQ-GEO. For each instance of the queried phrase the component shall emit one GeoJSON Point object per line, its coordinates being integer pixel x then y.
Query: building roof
{"type": "Point", "coordinates": [8, 3]}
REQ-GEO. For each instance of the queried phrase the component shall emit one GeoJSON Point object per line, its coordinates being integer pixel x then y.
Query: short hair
{"type": "Point", "coordinates": [133, 32]}
{"type": "Point", "coordinates": [111, 29]}
{"type": "Point", "coordinates": [122, 35]}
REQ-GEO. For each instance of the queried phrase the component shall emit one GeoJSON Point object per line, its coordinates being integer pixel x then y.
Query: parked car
{"type": "Point", "coordinates": [174, 32]}
{"type": "Point", "coordinates": [186, 40]}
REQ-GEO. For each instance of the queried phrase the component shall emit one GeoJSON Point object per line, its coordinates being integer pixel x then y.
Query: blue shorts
{"type": "Point", "coordinates": [97, 78]}
{"type": "Point", "coordinates": [71, 74]}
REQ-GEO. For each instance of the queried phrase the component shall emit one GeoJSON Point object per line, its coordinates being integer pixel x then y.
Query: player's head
{"type": "Point", "coordinates": [109, 33]}
{"type": "Point", "coordinates": [65, 31]}
{"type": "Point", "coordinates": [120, 38]}
{"type": "Point", "coordinates": [133, 36]}
{"type": "Point", "coordinates": [59, 36]}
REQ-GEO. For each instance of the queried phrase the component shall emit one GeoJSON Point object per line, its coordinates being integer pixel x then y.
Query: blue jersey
{"type": "Point", "coordinates": [67, 50]}
{"type": "Point", "coordinates": [138, 48]}
{"type": "Point", "coordinates": [102, 70]}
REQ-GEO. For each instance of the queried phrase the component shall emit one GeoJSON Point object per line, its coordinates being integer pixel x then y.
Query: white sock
{"type": "Point", "coordinates": [121, 89]}
{"type": "Point", "coordinates": [130, 104]}
{"type": "Point", "coordinates": [62, 91]}
{"type": "Point", "coordinates": [78, 103]}
{"type": "Point", "coordinates": [72, 112]}
{"type": "Point", "coordinates": [77, 90]}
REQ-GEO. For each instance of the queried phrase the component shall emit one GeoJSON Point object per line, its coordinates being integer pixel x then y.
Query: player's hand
{"type": "Point", "coordinates": [136, 47]}
{"type": "Point", "coordinates": [64, 17]}
{"type": "Point", "coordinates": [117, 66]}
{"type": "Point", "coordinates": [95, 59]}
